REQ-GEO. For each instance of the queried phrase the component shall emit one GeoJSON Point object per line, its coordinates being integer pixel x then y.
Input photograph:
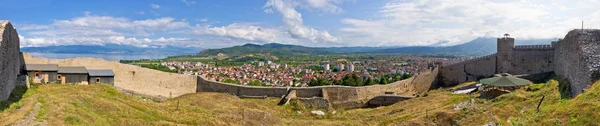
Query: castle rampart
{"type": "Point", "coordinates": [10, 58]}
{"type": "Point", "coordinates": [576, 58]}
{"type": "Point", "coordinates": [469, 70]}
{"type": "Point", "coordinates": [338, 96]}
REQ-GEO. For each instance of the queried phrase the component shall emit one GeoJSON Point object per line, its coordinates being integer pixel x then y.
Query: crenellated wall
{"type": "Point", "coordinates": [10, 58]}
{"type": "Point", "coordinates": [576, 58]}
{"type": "Point", "coordinates": [338, 96]}
{"type": "Point", "coordinates": [522, 59]}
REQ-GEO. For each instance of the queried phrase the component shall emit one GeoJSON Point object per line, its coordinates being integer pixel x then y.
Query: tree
{"type": "Point", "coordinates": [313, 82]}
{"type": "Point", "coordinates": [349, 81]}
{"type": "Point", "coordinates": [231, 81]}
{"type": "Point", "coordinates": [398, 77]}
{"type": "Point", "coordinates": [255, 83]}
{"type": "Point", "coordinates": [406, 75]}
{"type": "Point", "coordinates": [358, 80]}
{"type": "Point", "coordinates": [383, 80]}
{"type": "Point", "coordinates": [371, 81]}
{"type": "Point", "coordinates": [323, 81]}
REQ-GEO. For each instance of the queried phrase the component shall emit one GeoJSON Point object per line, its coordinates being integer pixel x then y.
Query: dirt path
{"type": "Point", "coordinates": [29, 120]}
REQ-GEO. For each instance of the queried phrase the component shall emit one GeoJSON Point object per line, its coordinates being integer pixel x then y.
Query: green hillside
{"type": "Point", "coordinates": [102, 105]}
{"type": "Point", "coordinates": [273, 48]}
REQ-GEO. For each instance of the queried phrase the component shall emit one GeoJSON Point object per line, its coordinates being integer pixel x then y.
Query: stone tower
{"type": "Point", "coordinates": [504, 54]}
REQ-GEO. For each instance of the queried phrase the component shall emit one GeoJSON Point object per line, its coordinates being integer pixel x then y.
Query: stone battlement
{"type": "Point", "coordinates": [576, 57]}
{"type": "Point", "coordinates": [533, 47]}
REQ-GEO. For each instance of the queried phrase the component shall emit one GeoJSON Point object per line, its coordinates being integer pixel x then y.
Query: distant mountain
{"type": "Point", "coordinates": [409, 50]}
{"type": "Point", "coordinates": [111, 49]}
{"type": "Point", "coordinates": [272, 48]}
{"type": "Point", "coordinates": [484, 46]}
{"type": "Point", "coordinates": [477, 47]}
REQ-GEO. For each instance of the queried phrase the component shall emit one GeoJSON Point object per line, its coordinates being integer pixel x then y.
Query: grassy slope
{"type": "Point", "coordinates": [102, 105]}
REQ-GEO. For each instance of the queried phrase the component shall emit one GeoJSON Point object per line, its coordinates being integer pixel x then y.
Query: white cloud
{"type": "Point", "coordinates": [445, 22]}
{"type": "Point", "coordinates": [326, 5]}
{"type": "Point", "coordinates": [188, 2]}
{"type": "Point", "coordinates": [239, 31]}
{"type": "Point", "coordinates": [98, 30]}
{"type": "Point", "coordinates": [293, 21]}
{"type": "Point", "coordinates": [32, 27]}
{"type": "Point", "coordinates": [155, 6]}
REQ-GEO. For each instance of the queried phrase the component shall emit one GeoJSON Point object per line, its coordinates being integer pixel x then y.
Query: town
{"type": "Point", "coordinates": [269, 73]}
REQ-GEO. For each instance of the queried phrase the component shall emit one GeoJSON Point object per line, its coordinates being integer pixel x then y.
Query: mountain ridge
{"type": "Point", "coordinates": [111, 49]}
{"type": "Point", "coordinates": [476, 47]}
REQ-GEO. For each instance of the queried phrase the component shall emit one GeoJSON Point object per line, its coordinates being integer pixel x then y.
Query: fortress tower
{"type": "Point", "coordinates": [504, 55]}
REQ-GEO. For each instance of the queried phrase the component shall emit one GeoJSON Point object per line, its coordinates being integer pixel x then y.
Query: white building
{"type": "Point", "coordinates": [326, 67]}
{"type": "Point", "coordinates": [261, 64]}
{"type": "Point", "coordinates": [350, 68]}
{"type": "Point", "coordinates": [340, 67]}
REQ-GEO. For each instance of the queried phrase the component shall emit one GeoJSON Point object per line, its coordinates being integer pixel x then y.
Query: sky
{"type": "Point", "coordinates": [314, 23]}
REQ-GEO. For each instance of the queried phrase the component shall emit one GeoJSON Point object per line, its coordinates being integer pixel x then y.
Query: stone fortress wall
{"type": "Point", "coordinates": [469, 70]}
{"type": "Point", "coordinates": [576, 58]}
{"type": "Point", "coordinates": [337, 96]}
{"type": "Point", "coordinates": [10, 58]}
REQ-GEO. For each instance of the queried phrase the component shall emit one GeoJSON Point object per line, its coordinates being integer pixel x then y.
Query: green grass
{"type": "Point", "coordinates": [102, 105]}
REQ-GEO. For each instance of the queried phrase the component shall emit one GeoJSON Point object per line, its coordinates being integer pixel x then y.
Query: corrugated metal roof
{"type": "Point", "coordinates": [41, 67]}
{"type": "Point", "coordinates": [77, 69]}
{"type": "Point", "coordinates": [102, 73]}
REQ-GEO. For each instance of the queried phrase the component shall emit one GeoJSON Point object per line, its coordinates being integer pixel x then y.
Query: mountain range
{"type": "Point", "coordinates": [477, 47]}
{"type": "Point", "coordinates": [112, 49]}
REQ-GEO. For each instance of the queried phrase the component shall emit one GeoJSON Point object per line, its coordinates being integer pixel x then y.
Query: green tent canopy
{"type": "Point", "coordinates": [504, 81]}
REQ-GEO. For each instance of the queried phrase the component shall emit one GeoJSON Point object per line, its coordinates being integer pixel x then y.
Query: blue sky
{"type": "Point", "coordinates": [317, 23]}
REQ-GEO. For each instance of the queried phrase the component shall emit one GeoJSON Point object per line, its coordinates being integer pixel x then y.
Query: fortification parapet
{"type": "Point", "coordinates": [534, 47]}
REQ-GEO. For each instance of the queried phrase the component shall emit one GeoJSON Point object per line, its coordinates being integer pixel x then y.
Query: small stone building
{"type": "Point", "coordinates": [42, 72]}
{"type": "Point", "coordinates": [73, 75]}
{"type": "Point", "coordinates": [105, 76]}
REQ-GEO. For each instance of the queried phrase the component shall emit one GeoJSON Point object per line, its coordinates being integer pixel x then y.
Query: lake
{"type": "Point", "coordinates": [109, 57]}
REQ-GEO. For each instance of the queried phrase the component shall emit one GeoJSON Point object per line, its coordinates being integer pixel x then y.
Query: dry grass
{"type": "Point", "coordinates": [102, 105]}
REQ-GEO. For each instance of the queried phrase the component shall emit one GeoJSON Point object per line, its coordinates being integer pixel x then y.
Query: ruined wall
{"type": "Point", "coordinates": [338, 96]}
{"type": "Point", "coordinates": [531, 59]}
{"type": "Point", "coordinates": [577, 58]}
{"type": "Point", "coordinates": [10, 58]}
{"type": "Point", "coordinates": [469, 70]}
{"type": "Point", "coordinates": [131, 79]}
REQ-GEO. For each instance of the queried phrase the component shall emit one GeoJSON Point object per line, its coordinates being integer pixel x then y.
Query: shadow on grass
{"type": "Point", "coordinates": [563, 86]}
{"type": "Point", "coordinates": [14, 97]}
